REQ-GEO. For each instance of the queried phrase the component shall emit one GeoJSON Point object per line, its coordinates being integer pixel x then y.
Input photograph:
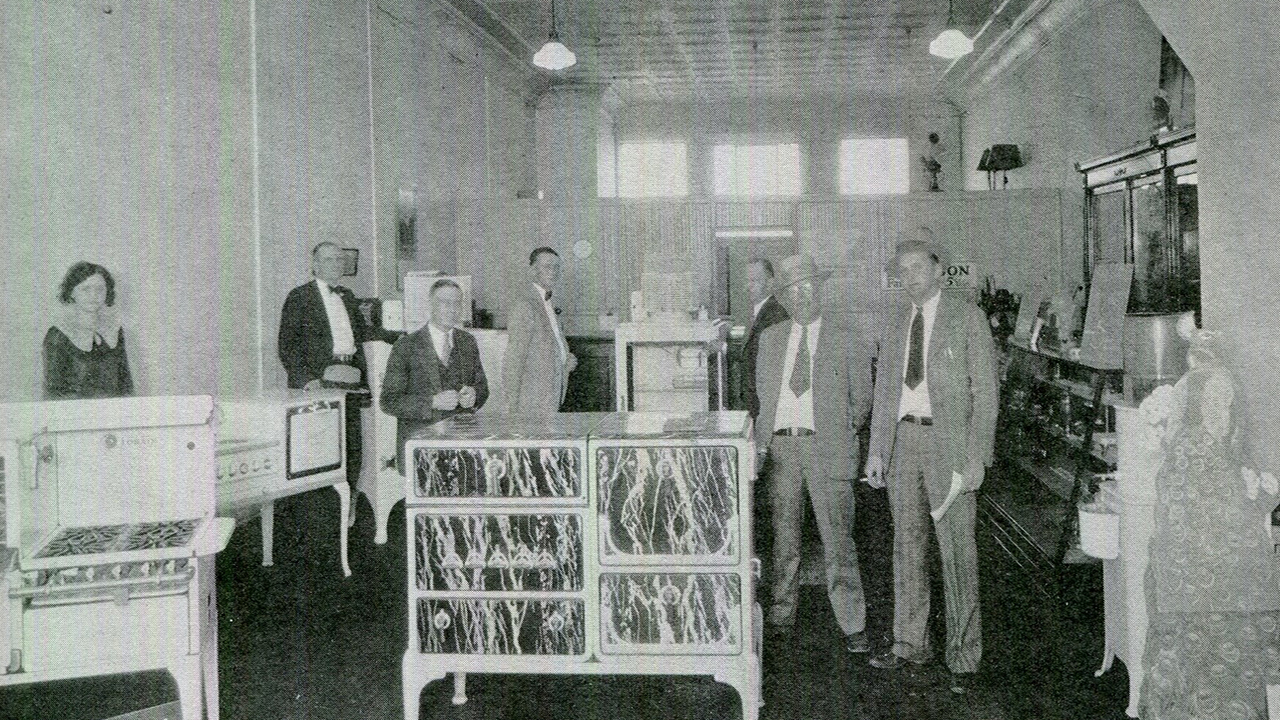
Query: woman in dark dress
{"type": "Point", "coordinates": [84, 354]}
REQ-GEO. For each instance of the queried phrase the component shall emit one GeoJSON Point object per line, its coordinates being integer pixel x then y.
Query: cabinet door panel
{"type": "Point", "coordinates": [483, 472]}
{"type": "Point", "coordinates": [498, 552]}
{"type": "Point", "coordinates": [671, 613]}
{"type": "Point", "coordinates": [501, 627]}
{"type": "Point", "coordinates": [667, 501]}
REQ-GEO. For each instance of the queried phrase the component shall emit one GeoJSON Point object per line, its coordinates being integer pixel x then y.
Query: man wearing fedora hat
{"type": "Point", "coordinates": [814, 382]}
{"type": "Point", "coordinates": [932, 432]}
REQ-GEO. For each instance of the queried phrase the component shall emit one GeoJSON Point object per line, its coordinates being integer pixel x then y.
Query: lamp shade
{"type": "Point", "coordinates": [951, 44]}
{"type": "Point", "coordinates": [984, 165]}
{"type": "Point", "coordinates": [554, 55]}
{"type": "Point", "coordinates": [1004, 157]}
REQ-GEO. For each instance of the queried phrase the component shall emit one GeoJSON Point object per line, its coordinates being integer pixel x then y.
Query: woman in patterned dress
{"type": "Point", "coordinates": [1213, 642]}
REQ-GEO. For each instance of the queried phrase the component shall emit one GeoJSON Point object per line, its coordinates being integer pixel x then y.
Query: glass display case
{"type": "Point", "coordinates": [1141, 207]}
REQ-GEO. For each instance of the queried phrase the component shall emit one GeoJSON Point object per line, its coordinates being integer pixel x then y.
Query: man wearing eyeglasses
{"type": "Point", "coordinates": [814, 382]}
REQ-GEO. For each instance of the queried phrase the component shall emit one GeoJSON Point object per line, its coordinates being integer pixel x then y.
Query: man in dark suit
{"type": "Point", "coordinates": [814, 380]}
{"type": "Point", "coordinates": [766, 311]}
{"type": "Point", "coordinates": [932, 433]}
{"type": "Point", "coordinates": [433, 373]}
{"type": "Point", "coordinates": [536, 367]}
{"type": "Point", "coordinates": [321, 329]}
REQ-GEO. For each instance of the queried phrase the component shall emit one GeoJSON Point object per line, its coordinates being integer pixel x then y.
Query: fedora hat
{"type": "Point", "coordinates": [921, 239]}
{"type": "Point", "coordinates": [795, 268]}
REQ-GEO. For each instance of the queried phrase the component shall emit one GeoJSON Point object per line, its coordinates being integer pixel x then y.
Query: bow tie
{"type": "Point", "coordinates": [546, 294]}
{"type": "Point", "coordinates": [336, 289]}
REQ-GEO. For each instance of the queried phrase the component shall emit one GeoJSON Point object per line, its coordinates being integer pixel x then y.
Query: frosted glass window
{"type": "Point", "coordinates": [653, 169]}
{"type": "Point", "coordinates": [874, 166]}
{"type": "Point", "coordinates": [756, 170]}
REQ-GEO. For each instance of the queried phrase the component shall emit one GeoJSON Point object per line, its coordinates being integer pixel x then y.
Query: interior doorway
{"type": "Point", "coordinates": [735, 247]}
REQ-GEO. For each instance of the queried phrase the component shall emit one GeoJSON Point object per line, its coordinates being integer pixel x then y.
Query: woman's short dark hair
{"type": "Point", "coordinates": [82, 271]}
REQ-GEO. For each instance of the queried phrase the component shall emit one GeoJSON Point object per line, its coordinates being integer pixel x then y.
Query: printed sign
{"type": "Point", "coordinates": [959, 275]}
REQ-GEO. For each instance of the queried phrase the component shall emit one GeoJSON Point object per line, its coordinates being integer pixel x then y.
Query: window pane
{"type": "Point", "coordinates": [876, 166]}
{"type": "Point", "coordinates": [652, 169]}
{"type": "Point", "coordinates": [756, 169]}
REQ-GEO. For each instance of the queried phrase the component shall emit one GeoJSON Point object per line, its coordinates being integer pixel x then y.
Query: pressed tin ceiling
{"type": "Point", "coordinates": [677, 50]}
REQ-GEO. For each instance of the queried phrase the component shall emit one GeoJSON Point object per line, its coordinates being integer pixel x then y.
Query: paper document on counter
{"type": "Point", "coordinates": [957, 482]}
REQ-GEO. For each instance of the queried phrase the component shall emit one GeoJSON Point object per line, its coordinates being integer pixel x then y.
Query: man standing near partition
{"type": "Point", "coordinates": [536, 367]}
{"type": "Point", "coordinates": [932, 432]}
{"type": "Point", "coordinates": [319, 344]}
{"type": "Point", "coordinates": [814, 382]}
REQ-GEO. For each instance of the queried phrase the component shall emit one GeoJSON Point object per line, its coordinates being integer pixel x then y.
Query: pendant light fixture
{"type": "Point", "coordinates": [950, 43]}
{"type": "Point", "coordinates": [554, 55]}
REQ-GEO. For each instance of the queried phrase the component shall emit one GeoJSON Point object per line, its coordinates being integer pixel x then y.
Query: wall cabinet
{"type": "Point", "coordinates": [1142, 207]}
{"type": "Point", "coordinates": [601, 543]}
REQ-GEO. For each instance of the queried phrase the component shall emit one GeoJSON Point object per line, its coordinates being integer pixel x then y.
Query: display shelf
{"type": "Point", "coordinates": [1053, 443]}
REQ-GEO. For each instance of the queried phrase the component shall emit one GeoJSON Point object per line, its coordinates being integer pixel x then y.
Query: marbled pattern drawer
{"type": "Point", "coordinates": [671, 613]}
{"type": "Point", "coordinates": [495, 472]}
{"type": "Point", "coordinates": [498, 552]}
{"type": "Point", "coordinates": [667, 501]}
{"type": "Point", "coordinates": [501, 627]}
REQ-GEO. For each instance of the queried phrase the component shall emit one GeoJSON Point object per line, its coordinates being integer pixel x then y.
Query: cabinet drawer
{"type": "Point", "coordinates": [498, 552]}
{"type": "Point", "coordinates": [671, 613]}
{"type": "Point", "coordinates": [664, 502]}
{"type": "Point", "coordinates": [498, 473]}
{"type": "Point", "coordinates": [501, 627]}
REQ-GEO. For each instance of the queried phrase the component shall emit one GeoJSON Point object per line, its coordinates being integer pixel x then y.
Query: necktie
{"type": "Point", "coordinates": [448, 347]}
{"type": "Point", "coordinates": [800, 372]}
{"type": "Point", "coordinates": [915, 361]}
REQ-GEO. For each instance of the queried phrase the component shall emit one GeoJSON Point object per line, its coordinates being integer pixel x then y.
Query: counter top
{"type": "Point", "coordinates": [576, 426]}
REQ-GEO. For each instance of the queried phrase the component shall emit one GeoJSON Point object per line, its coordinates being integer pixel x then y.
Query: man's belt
{"type": "Point", "coordinates": [794, 432]}
{"type": "Point", "coordinates": [925, 421]}
{"type": "Point", "coordinates": [343, 358]}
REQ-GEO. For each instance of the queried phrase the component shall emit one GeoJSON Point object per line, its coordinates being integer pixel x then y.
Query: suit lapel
{"type": "Point", "coordinates": [317, 302]}
{"type": "Point", "coordinates": [540, 309]}
{"type": "Point", "coordinates": [938, 335]}
{"type": "Point", "coordinates": [773, 357]}
{"type": "Point", "coordinates": [434, 368]}
{"type": "Point", "coordinates": [898, 347]}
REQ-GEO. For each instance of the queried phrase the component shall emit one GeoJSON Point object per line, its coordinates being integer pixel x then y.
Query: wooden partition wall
{"type": "Point", "coordinates": [1015, 237]}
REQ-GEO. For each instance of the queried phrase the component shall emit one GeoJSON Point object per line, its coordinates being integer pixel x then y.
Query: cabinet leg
{"type": "Point", "coordinates": [268, 515]}
{"type": "Point", "coordinates": [1135, 691]}
{"type": "Point", "coordinates": [1108, 656]}
{"type": "Point", "coordinates": [414, 676]}
{"type": "Point", "coordinates": [344, 505]}
{"type": "Point", "coordinates": [744, 680]}
{"type": "Point", "coordinates": [209, 661]}
{"type": "Point", "coordinates": [459, 688]}
{"type": "Point", "coordinates": [187, 676]}
{"type": "Point", "coordinates": [382, 512]}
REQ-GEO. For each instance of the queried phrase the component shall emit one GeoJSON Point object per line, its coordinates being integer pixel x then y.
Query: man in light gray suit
{"type": "Point", "coordinates": [537, 364]}
{"type": "Point", "coordinates": [932, 428]}
{"type": "Point", "coordinates": [813, 376]}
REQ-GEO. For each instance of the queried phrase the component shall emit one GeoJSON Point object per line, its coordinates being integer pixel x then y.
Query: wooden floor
{"type": "Point", "coordinates": [298, 641]}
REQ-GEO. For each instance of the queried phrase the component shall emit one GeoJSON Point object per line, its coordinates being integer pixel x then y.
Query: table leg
{"type": "Point", "coordinates": [268, 514]}
{"type": "Point", "coordinates": [459, 688]}
{"type": "Point", "coordinates": [344, 505]}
